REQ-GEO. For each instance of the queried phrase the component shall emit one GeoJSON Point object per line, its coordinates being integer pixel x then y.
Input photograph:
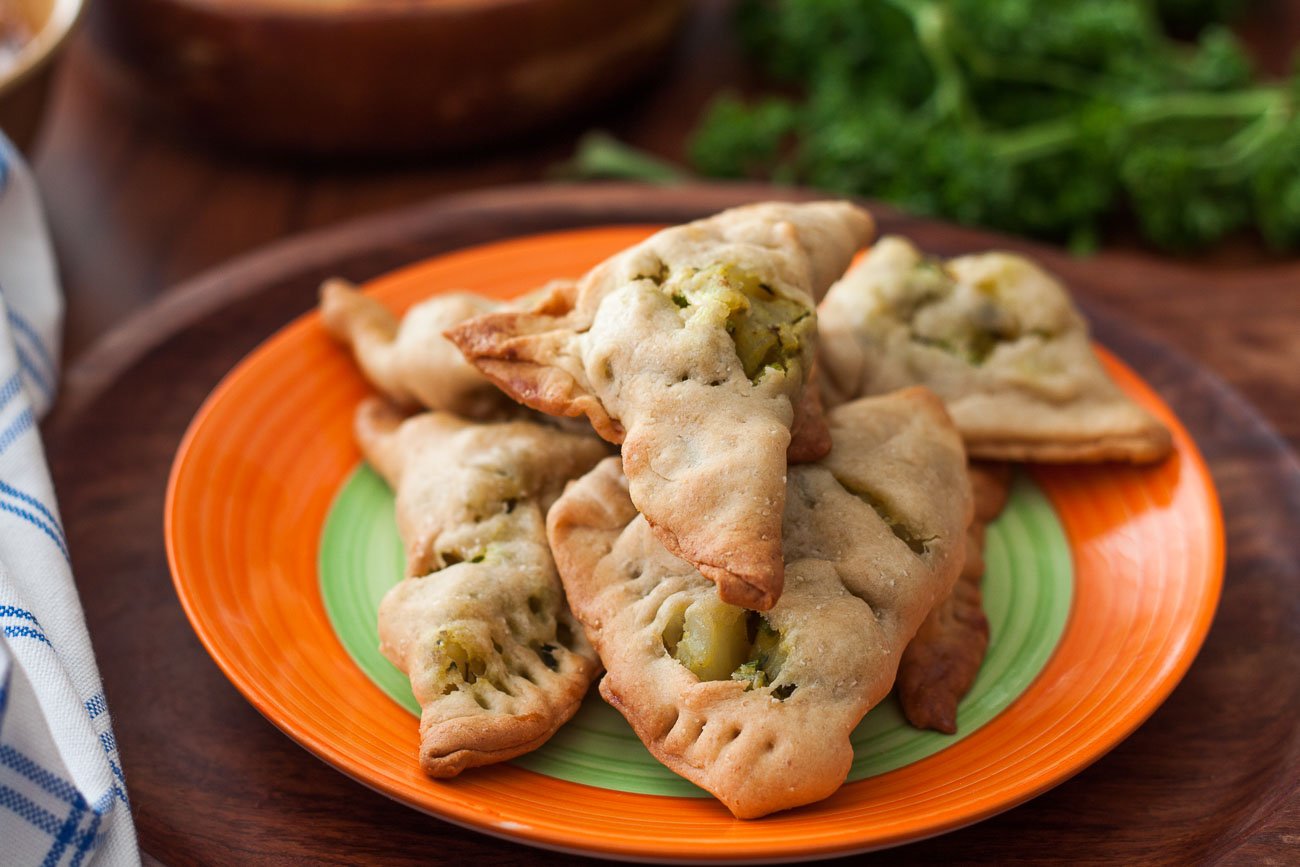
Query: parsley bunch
{"type": "Point", "coordinates": [1042, 119]}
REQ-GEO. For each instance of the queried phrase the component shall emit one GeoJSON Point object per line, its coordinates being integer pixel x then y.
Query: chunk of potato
{"type": "Point", "coordinates": [714, 640]}
{"type": "Point", "coordinates": [768, 329]}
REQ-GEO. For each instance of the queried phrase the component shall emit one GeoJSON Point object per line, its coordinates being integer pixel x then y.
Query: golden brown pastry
{"type": "Point", "coordinates": [480, 626]}
{"type": "Point", "coordinates": [693, 350]}
{"type": "Point", "coordinates": [758, 708]}
{"type": "Point", "coordinates": [942, 661]}
{"type": "Point", "coordinates": [411, 362]}
{"type": "Point", "coordinates": [998, 339]}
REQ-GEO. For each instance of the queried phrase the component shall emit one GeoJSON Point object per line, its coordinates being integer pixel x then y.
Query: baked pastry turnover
{"type": "Point", "coordinates": [940, 664]}
{"type": "Point", "coordinates": [758, 708]}
{"type": "Point", "coordinates": [693, 350]}
{"type": "Point", "coordinates": [998, 339]}
{"type": "Point", "coordinates": [410, 361]}
{"type": "Point", "coordinates": [480, 625]}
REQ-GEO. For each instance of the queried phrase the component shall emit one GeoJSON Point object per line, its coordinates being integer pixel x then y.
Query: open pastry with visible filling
{"type": "Point", "coordinates": [693, 349]}
{"type": "Point", "coordinates": [758, 708]}
{"type": "Point", "coordinates": [941, 662]}
{"type": "Point", "coordinates": [998, 339]}
{"type": "Point", "coordinates": [480, 624]}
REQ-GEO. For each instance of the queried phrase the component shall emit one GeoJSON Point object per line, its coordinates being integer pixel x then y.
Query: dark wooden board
{"type": "Point", "coordinates": [1211, 777]}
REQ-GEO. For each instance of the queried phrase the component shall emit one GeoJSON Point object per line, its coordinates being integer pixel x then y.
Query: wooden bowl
{"type": "Point", "coordinates": [374, 76]}
{"type": "Point", "coordinates": [25, 78]}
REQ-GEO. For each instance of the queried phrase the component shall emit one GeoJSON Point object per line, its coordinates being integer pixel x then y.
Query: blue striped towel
{"type": "Point", "coordinates": [62, 794]}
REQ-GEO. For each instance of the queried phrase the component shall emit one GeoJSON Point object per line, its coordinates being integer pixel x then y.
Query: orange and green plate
{"type": "Point", "coordinates": [1101, 585]}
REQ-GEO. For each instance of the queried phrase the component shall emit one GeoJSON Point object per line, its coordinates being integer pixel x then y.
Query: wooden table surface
{"type": "Point", "coordinates": [135, 209]}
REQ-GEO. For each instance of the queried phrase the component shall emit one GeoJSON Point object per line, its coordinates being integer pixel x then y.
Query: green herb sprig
{"type": "Point", "coordinates": [1030, 117]}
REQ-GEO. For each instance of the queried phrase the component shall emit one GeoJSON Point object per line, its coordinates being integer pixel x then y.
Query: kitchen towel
{"type": "Point", "coordinates": [63, 797]}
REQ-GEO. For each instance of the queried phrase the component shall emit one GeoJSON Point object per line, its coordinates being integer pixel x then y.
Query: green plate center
{"type": "Point", "coordinates": [1027, 592]}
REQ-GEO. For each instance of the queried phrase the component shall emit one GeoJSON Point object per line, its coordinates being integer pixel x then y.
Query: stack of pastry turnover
{"type": "Point", "coordinates": [789, 526]}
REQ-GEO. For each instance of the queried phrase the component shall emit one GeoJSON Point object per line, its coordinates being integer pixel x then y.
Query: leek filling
{"type": "Point", "coordinates": [767, 658]}
{"type": "Point", "coordinates": [451, 558]}
{"type": "Point", "coordinates": [459, 664]}
{"type": "Point", "coordinates": [546, 652]}
{"type": "Point", "coordinates": [918, 544]}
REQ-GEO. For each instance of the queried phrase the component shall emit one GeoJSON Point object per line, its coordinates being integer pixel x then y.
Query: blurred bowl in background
{"type": "Point", "coordinates": [32, 33]}
{"type": "Point", "coordinates": [330, 77]}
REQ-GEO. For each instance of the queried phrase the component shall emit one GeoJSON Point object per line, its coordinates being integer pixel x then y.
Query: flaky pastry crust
{"type": "Point", "coordinates": [480, 624]}
{"type": "Point", "coordinates": [874, 537]}
{"type": "Point", "coordinates": [409, 361]}
{"type": "Point", "coordinates": [693, 350]}
{"type": "Point", "coordinates": [940, 664]}
{"type": "Point", "coordinates": [998, 339]}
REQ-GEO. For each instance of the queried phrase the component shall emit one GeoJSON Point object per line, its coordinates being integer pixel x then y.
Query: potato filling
{"type": "Point", "coordinates": [769, 330]}
{"type": "Point", "coordinates": [713, 639]}
{"type": "Point", "coordinates": [970, 328]}
{"type": "Point", "coordinates": [717, 641]}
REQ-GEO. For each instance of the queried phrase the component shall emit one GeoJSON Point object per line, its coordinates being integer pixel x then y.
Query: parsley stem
{"type": "Point", "coordinates": [1177, 106]}
{"type": "Point", "coordinates": [1032, 142]}
{"type": "Point", "coordinates": [1049, 137]}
